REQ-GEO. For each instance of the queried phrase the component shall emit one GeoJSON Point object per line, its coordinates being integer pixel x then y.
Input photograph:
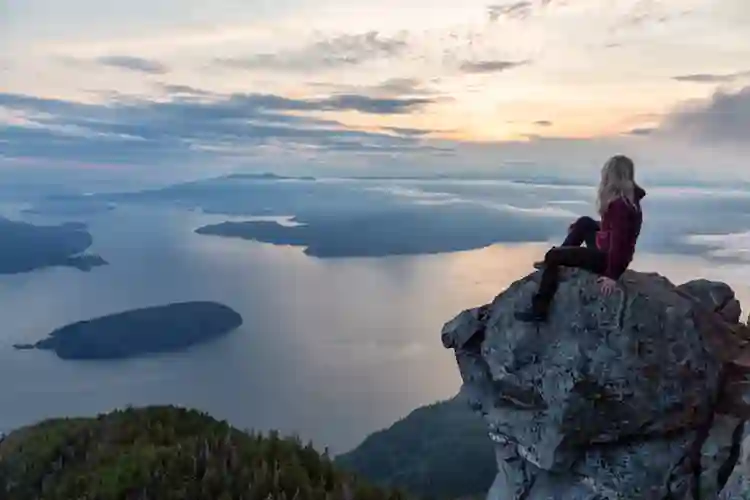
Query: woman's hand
{"type": "Point", "coordinates": [608, 285]}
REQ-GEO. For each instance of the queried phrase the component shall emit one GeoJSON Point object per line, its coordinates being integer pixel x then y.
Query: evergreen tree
{"type": "Point", "coordinates": [167, 453]}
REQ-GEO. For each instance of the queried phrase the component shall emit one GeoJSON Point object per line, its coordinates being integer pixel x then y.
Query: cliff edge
{"type": "Point", "coordinates": [640, 395]}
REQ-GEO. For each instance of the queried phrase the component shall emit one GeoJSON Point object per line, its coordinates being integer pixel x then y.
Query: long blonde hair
{"type": "Point", "coordinates": [617, 182]}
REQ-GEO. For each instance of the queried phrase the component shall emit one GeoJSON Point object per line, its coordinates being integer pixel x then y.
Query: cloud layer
{"type": "Point", "coordinates": [516, 10]}
{"type": "Point", "coordinates": [723, 118]}
{"type": "Point", "coordinates": [557, 82]}
{"type": "Point", "coordinates": [134, 64]}
{"type": "Point", "coordinates": [491, 66]}
{"type": "Point", "coordinates": [342, 50]}
{"type": "Point", "coordinates": [713, 78]}
{"type": "Point", "coordinates": [142, 131]}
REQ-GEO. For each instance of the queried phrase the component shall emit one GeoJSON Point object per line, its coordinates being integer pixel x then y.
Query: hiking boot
{"type": "Point", "coordinates": [536, 313]}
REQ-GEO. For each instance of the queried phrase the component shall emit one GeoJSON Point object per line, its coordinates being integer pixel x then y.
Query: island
{"type": "Point", "coordinates": [407, 230]}
{"type": "Point", "coordinates": [85, 262]}
{"type": "Point", "coordinates": [137, 332]}
{"type": "Point", "coordinates": [26, 247]}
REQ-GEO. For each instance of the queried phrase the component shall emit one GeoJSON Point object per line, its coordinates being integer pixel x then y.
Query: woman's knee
{"type": "Point", "coordinates": [585, 223]}
{"type": "Point", "coordinates": [551, 256]}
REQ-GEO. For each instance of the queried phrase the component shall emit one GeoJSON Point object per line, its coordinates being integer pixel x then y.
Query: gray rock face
{"type": "Point", "coordinates": [720, 449]}
{"type": "Point", "coordinates": [612, 398]}
{"type": "Point", "coordinates": [738, 484]}
{"type": "Point", "coordinates": [735, 394]}
{"type": "Point", "coordinates": [716, 296]}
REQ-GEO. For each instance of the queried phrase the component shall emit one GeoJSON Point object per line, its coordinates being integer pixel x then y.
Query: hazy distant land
{"type": "Point", "coordinates": [392, 232]}
{"type": "Point", "coordinates": [70, 205]}
{"type": "Point", "coordinates": [26, 247]}
{"type": "Point", "coordinates": [412, 215]}
{"type": "Point", "coordinates": [137, 332]}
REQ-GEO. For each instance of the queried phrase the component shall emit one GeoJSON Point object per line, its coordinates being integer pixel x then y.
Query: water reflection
{"type": "Point", "coordinates": [332, 349]}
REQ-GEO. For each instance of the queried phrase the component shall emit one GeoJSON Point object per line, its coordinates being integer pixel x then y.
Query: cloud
{"type": "Point", "coordinates": [517, 10]}
{"type": "Point", "coordinates": [725, 117]}
{"type": "Point", "coordinates": [712, 77]}
{"type": "Point", "coordinates": [367, 104]}
{"type": "Point", "coordinates": [645, 12]}
{"type": "Point", "coordinates": [642, 131]}
{"type": "Point", "coordinates": [438, 198]}
{"type": "Point", "coordinates": [131, 63]}
{"type": "Point", "coordinates": [543, 123]}
{"type": "Point", "coordinates": [174, 89]}
{"type": "Point", "coordinates": [489, 66]}
{"type": "Point", "coordinates": [401, 86]}
{"type": "Point", "coordinates": [393, 88]}
{"type": "Point", "coordinates": [144, 131]}
{"type": "Point", "coordinates": [409, 132]}
{"type": "Point", "coordinates": [342, 50]}
{"type": "Point", "coordinates": [732, 245]}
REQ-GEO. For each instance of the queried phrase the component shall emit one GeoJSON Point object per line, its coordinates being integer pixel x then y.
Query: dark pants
{"type": "Point", "coordinates": [570, 254]}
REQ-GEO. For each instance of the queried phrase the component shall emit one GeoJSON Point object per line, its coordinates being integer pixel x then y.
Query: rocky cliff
{"type": "Point", "coordinates": [640, 395]}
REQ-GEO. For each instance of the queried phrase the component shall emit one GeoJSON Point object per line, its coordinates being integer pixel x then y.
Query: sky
{"type": "Point", "coordinates": [389, 87]}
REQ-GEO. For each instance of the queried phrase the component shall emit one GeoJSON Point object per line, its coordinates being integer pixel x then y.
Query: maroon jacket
{"type": "Point", "coordinates": [620, 228]}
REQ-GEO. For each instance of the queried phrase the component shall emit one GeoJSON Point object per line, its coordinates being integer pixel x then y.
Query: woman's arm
{"type": "Point", "coordinates": [620, 244]}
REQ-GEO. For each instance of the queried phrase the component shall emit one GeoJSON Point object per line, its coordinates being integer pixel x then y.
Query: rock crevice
{"type": "Point", "coordinates": [634, 396]}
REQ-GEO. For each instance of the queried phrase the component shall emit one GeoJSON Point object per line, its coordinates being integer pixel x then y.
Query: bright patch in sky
{"type": "Point", "coordinates": [558, 83]}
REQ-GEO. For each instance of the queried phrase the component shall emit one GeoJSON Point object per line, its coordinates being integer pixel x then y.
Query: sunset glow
{"type": "Point", "coordinates": [509, 71]}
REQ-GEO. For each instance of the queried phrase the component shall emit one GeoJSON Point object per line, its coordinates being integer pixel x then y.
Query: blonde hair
{"type": "Point", "coordinates": [617, 182]}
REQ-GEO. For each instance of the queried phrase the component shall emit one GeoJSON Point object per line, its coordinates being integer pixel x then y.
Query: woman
{"type": "Point", "coordinates": [609, 245]}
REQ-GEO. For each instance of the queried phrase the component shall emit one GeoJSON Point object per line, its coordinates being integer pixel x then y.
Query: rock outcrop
{"type": "Point", "coordinates": [716, 296]}
{"type": "Point", "coordinates": [738, 483]}
{"type": "Point", "coordinates": [634, 396]}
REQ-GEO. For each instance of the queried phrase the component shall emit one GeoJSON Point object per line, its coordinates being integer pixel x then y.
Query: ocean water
{"type": "Point", "coordinates": [331, 349]}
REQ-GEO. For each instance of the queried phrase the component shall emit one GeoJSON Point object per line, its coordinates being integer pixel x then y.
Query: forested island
{"type": "Point", "coordinates": [142, 331]}
{"type": "Point", "coordinates": [26, 247]}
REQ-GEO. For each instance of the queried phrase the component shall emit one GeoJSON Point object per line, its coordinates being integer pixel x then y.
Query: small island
{"type": "Point", "coordinates": [85, 262]}
{"type": "Point", "coordinates": [26, 247]}
{"type": "Point", "coordinates": [149, 330]}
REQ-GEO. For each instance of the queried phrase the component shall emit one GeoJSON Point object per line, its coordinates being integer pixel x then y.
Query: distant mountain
{"type": "Point", "coordinates": [141, 331]}
{"type": "Point", "coordinates": [438, 451]}
{"type": "Point", "coordinates": [25, 247]}
{"type": "Point", "coordinates": [167, 453]}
